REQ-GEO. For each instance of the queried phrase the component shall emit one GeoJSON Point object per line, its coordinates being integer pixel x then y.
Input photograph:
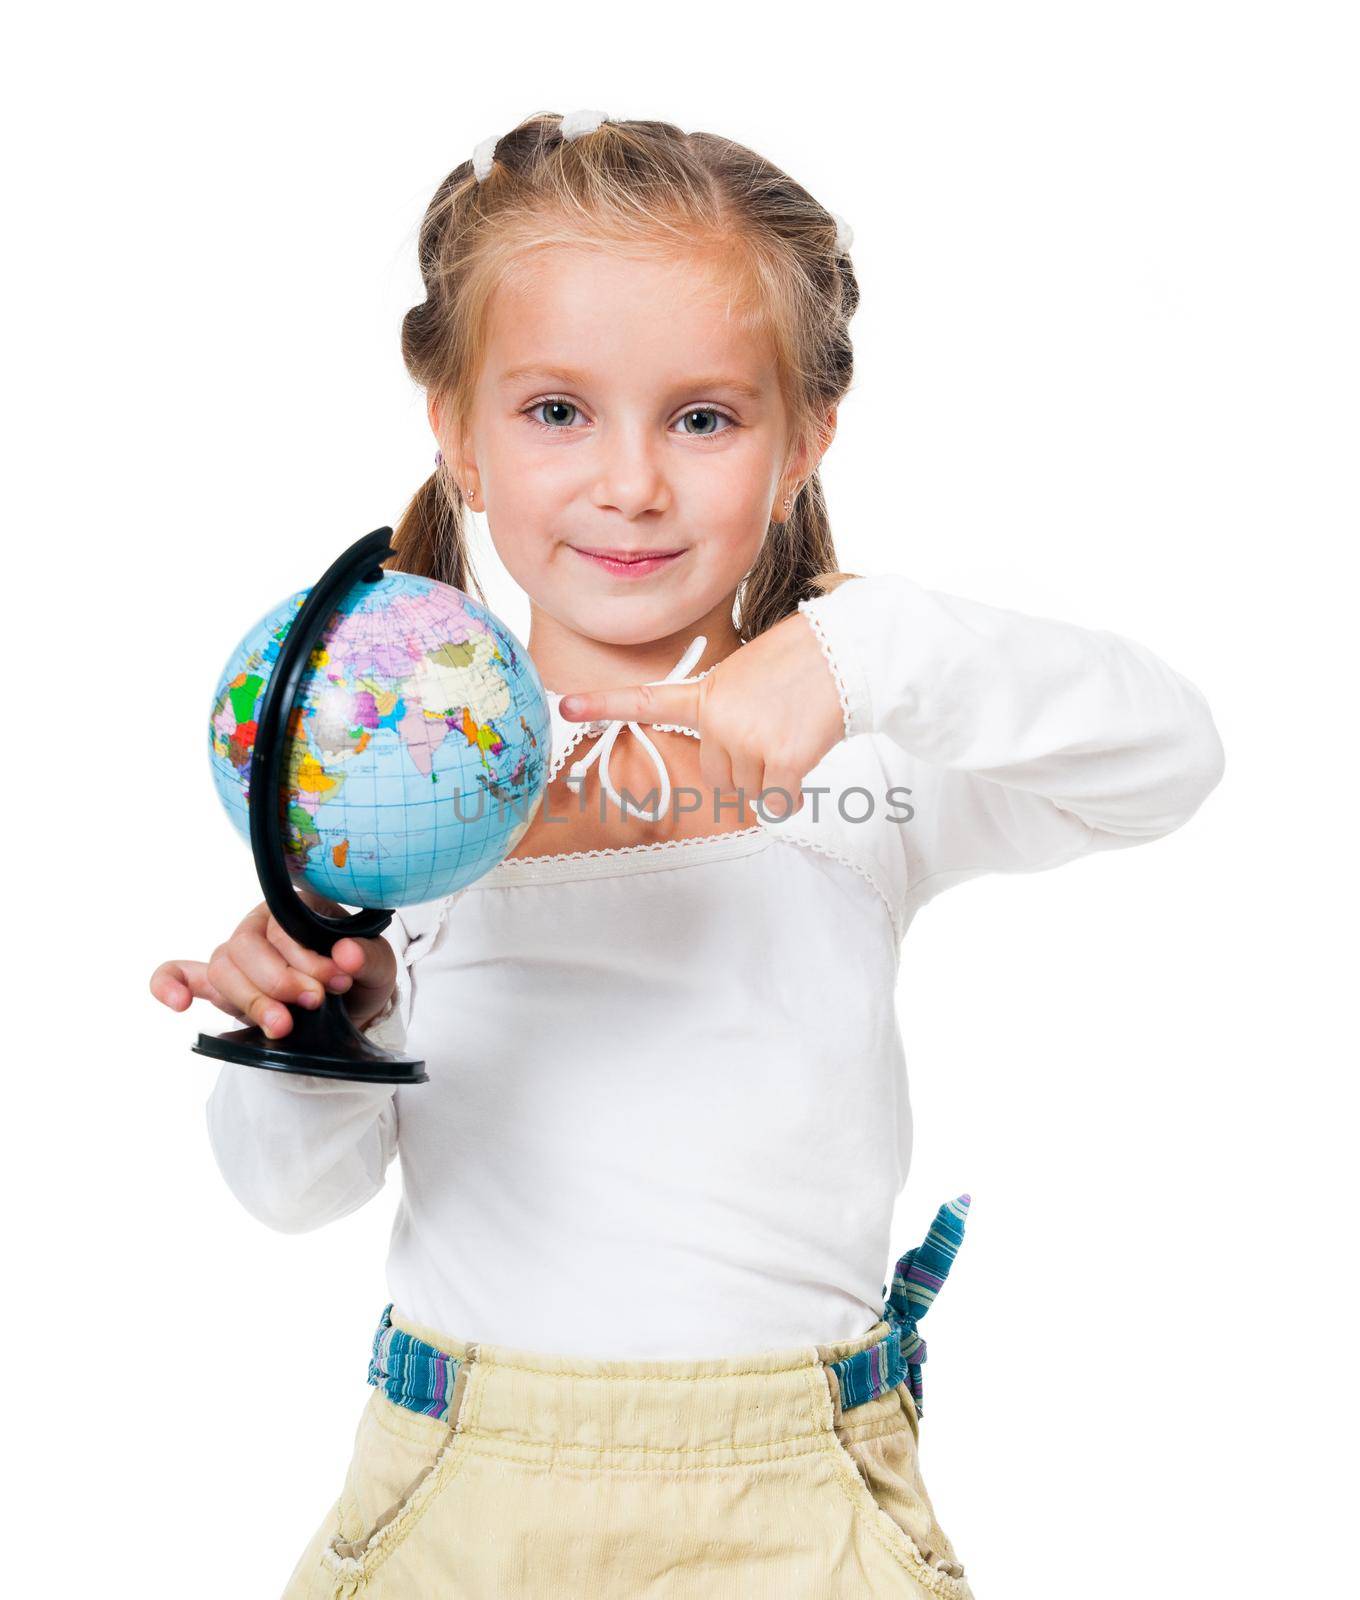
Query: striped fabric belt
{"type": "Point", "coordinates": [410, 1372]}
{"type": "Point", "coordinates": [419, 1376]}
{"type": "Point", "coordinates": [917, 1279]}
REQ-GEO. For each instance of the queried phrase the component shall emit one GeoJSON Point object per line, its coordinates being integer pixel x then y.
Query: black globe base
{"type": "Point", "coordinates": [322, 1044]}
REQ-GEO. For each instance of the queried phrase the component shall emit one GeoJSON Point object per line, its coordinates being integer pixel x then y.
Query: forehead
{"type": "Point", "coordinates": [589, 308]}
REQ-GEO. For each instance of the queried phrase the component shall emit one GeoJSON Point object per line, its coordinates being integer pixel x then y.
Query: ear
{"type": "Point", "coordinates": [825, 434]}
{"type": "Point", "coordinates": [451, 443]}
{"type": "Point", "coordinates": [807, 458]}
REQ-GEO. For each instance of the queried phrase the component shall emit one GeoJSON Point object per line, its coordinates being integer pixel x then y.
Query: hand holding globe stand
{"type": "Point", "coordinates": [337, 718]}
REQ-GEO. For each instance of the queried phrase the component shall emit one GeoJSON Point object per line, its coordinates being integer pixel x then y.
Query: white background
{"type": "Point", "coordinates": [1107, 363]}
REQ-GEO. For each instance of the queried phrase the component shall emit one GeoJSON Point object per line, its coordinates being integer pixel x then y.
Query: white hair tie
{"type": "Point", "coordinates": [574, 124]}
{"type": "Point", "coordinates": [484, 157]}
{"type": "Point", "coordinates": [845, 235]}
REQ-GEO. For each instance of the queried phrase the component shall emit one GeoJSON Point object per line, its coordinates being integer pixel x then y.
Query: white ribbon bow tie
{"type": "Point", "coordinates": [611, 731]}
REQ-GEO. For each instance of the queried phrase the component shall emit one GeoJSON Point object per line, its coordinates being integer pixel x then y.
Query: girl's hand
{"type": "Point", "coordinates": [765, 716]}
{"type": "Point", "coordinates": [261, 965]}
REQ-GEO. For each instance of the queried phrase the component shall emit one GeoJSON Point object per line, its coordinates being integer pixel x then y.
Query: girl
{"type": "Point", "coordinates": [638, 1340]}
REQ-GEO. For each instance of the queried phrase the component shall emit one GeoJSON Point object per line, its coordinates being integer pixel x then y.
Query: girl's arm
{"type": "Point", "coordinates": [299, 1152]}
{"type": "Point", "coordinates": [1033, 740]}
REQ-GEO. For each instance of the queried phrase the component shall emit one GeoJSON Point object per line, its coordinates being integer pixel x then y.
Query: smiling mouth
{"type": "Point", "coordinates": [630, 563]}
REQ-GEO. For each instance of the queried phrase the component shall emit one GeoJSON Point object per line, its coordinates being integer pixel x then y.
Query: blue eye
{"type": "Point", "coordinates": [555, 405]}
{"type": "Point", "coordinates": [707, 411]}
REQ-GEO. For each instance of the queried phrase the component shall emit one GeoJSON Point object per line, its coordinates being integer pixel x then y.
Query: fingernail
{"type": "Point", "coordinates": [274, 1019]}
{"type": "Point", "coordinates": [572, 704]}
{"type": "Point", "coordinates": [340, 983]}
{"type": "Point", "coordinates": [309, 998]}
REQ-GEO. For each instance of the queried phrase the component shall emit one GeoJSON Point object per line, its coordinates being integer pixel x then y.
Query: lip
{"type": "Point", "coordinates": [628, 563]}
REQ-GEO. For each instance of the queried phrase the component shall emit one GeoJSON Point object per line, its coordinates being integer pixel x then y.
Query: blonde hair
{"type": "Point", "coordinates": [625, 185]}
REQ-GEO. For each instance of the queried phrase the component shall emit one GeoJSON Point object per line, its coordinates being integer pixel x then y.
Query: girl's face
{"type": "Point", "coordinates": [621, 413]}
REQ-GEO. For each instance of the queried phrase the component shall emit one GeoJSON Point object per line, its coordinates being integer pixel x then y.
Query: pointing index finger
{"type": "Point", "coordinates": [643, 702]}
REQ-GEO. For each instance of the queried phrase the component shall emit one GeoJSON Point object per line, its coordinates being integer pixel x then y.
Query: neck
{"type": "Point", "coordinates": [567, 660]}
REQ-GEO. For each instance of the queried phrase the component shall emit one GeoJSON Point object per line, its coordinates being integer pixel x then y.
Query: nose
{"type": "Point", "coordinates": [629, 479]}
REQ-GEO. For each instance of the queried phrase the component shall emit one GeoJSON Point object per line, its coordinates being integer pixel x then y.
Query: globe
{"type": "Point", "coordinates": [417, 744]}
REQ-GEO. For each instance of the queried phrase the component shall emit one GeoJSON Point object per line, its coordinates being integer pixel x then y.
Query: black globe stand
{"type": "Point", "coordinates": [323, 1043]}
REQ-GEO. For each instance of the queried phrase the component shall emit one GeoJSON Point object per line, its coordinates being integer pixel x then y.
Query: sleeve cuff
{"type": "Point", "coordinates": [834, 619]}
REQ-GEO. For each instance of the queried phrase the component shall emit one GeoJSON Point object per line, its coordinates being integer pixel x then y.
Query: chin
{"type": "Point", "coordinates": [631, 624]}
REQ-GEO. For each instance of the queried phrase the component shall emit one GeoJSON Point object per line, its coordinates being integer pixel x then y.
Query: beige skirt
{"type": "Point", "coordinates": [557, 1477]}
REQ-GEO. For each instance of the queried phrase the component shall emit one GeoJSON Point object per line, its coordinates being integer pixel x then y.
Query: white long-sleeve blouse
{"type": "Point", "coordinates": [667, 1112]}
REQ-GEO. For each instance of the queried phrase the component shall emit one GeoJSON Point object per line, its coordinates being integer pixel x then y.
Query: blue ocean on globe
{"type": "Point", "coordinates": [417, 747]}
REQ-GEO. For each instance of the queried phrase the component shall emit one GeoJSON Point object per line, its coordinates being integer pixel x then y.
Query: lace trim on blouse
{"type": "Point", "coordinates": [650, 847]}
{"type": "Point", "coordinates": [805, 607]}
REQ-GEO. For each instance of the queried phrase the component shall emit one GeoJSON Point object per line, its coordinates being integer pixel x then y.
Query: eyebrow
{"type": "Point", "coordinates": [581, 380]}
